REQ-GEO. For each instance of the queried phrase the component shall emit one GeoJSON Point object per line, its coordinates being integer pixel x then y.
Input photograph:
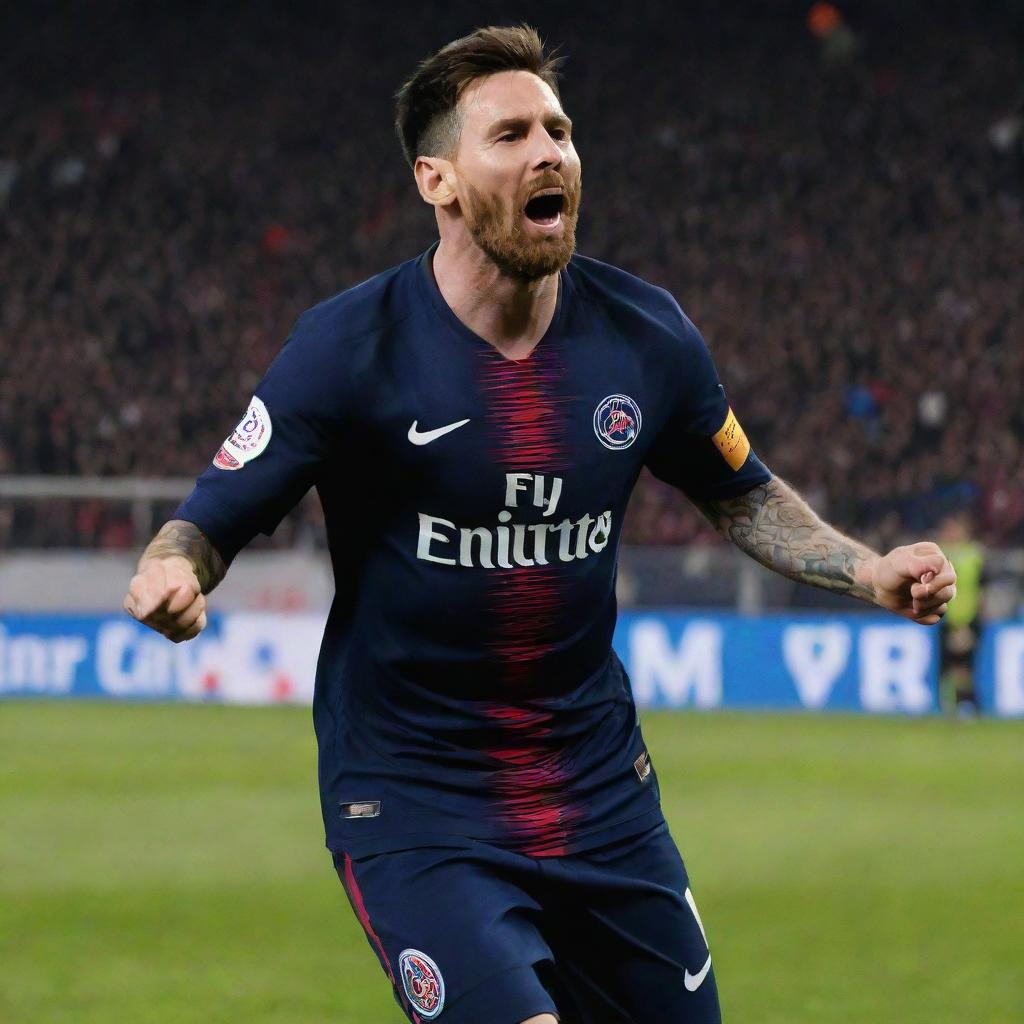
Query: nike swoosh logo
{"type": "Point", "coordinates": [426, 436]}
{"type": "Point", "coordinates": [693, 981]}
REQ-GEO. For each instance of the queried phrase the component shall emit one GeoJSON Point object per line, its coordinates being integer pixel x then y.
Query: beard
{"type": "Point", "coordinates": [500, 234]}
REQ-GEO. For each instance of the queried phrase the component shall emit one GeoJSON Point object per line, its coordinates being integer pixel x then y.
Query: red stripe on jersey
{"type": "Point", "coordinates": [525, 416]}
{"type": "Point", "coordinates": [531, 782]}
{"type": "Point", "coordinates": [528, 433]}
{"type": "Point", "coordinates": [526, 604]}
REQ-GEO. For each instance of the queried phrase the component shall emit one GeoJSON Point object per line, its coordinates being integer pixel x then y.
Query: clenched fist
{"type": "Point", "coordinates": [916, 581]}
{"type": "Point", "coordinates": [165, 595]}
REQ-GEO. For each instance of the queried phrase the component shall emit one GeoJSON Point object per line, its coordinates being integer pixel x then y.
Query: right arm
{"type": "Point", "coordinates": [175, 573]}
{"type": "Point", "coordinates": [262, 470]}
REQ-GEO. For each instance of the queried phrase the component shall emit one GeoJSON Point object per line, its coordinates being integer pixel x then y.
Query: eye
{"type": "Point", "coordinates": [559, 133]}
{"type": "Point", "coordinates": [508, 137]}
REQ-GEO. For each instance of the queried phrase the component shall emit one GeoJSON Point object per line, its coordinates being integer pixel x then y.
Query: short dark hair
{"type": "Point", "coordinates": [426, 115]}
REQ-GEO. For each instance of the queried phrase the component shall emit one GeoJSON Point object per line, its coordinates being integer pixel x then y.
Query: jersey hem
{"type": "Point", "coordinates": [592, 839]}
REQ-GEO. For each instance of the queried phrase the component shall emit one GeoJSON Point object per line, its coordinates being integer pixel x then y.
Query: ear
{"type": "Point", "coordinates": [435, 178]}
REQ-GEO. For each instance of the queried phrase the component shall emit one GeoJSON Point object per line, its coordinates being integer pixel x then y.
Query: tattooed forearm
{"type": "Point", "coordinates": [773, 524]}
{"type": "Point", "coordinates": [187, 541]}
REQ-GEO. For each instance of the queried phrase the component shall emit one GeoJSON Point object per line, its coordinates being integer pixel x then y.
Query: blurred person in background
{"type": "Point", "coordinates": [961, 627]}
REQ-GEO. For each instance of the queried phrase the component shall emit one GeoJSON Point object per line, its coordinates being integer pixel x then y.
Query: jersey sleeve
{"type": "Point", "coordinates": [274, 454]}
{"type": "Point", "coordinates": [702, 448]}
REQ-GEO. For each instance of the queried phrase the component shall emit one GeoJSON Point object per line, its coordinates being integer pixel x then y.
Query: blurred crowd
{"type": "Point", "coordinates": [176, 186]}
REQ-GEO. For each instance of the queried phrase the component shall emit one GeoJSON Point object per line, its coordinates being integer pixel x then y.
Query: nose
{"type": "Point", "coordinates": [546, 151]}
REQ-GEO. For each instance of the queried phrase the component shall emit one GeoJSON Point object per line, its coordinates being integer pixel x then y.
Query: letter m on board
{"type": "Point", "coordinates": [686, 672]}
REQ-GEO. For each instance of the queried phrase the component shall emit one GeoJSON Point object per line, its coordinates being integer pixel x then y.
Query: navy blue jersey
{"type": "Point", "coordinates": [466, 687]}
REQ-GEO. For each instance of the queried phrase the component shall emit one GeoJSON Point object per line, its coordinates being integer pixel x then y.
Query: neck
{"type": "Point", "coordinates": [510, 314]}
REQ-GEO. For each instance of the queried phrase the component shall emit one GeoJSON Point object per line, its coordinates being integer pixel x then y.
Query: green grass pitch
{"type": "Point", "coordinates": [163, 865]}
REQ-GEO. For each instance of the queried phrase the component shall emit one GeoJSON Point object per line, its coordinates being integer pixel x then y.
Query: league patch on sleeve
{"type": "Point", "coordinates": [732, 442]}
{"type": "Point", "coordinates": [247, 440]}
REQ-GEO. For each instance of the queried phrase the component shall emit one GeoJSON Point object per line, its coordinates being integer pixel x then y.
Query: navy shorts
{"type": "Point", "coordinates": [479, 935]}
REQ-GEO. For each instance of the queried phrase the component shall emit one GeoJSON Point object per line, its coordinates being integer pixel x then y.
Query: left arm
{"type": "Point", "coordinates": [774, 525]}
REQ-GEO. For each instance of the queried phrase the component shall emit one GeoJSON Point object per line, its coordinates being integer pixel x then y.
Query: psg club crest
{"type": "Point", "coordinates": [422, 982]}
{"type": "Point", "coordinates": [247, 440]}
{"type": "Point", "coordinates": [617, 421]}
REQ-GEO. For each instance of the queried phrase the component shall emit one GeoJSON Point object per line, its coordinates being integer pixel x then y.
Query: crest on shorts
{"type": "Point", "coordinates": [247, 440]}
{"type": "Point", "coordinates": [617, 421]}
{"type": "Point", "coordinates": [422, 982]}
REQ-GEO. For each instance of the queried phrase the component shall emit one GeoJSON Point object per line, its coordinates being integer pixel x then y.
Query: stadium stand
{"type": "Point", "coordinates": [178, 184]}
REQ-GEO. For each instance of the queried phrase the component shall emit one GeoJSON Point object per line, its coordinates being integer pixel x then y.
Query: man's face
{"type": "Point", "coordinates": [518, 174]}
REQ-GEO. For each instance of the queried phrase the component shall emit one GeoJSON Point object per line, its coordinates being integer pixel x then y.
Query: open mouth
{"type": "Point", "coordinates": [546, 208]}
